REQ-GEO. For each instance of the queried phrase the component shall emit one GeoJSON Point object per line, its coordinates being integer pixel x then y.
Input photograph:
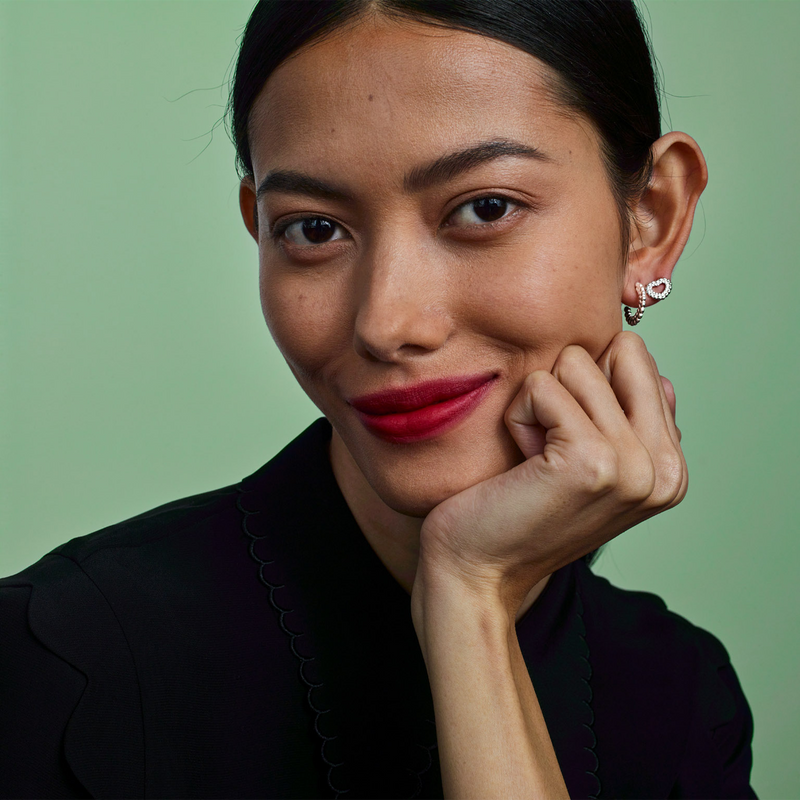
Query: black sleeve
{"type": "Point", "coordinates": [733, 739]}
{"type": "Point", "coordinates": [718, 756]}
{"type": "Point", "coordinates": [71, 721]}
{"type": "Point", "coordinates": [38, 693]}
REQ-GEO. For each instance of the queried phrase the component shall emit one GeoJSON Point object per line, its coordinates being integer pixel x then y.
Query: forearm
{"type": "Point", "coordinates": [493, 741]}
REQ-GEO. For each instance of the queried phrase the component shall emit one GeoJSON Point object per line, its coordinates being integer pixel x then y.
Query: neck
{"type": "Point", "coordinates": [392, 535]}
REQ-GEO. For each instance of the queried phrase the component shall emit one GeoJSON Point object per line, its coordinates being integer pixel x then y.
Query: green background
{"type": "Point", "coordinates": [136, 367]}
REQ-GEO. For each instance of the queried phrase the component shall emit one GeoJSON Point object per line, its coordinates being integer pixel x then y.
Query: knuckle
{"type": "Point", "coordinates": [630, 339]}
{"type": "Point", "coordinates": [671, 482]}
{"type": "Point", "coordinates": [684, 487]}
{"type": "Point", "coordinates": [630, 343]}
{"type": "Point", "coordinates": [572, 357]}
{"type": "Point", "coordinates": [681, 493]}
{"type": "Point", "coordinates": [600, 469]}
{"type": "Point", "coordinates": [535, 381]}
{"type": "Point", "coordinates": [640, 481]}
{"type": "Point", "coordinates": [538, 386]}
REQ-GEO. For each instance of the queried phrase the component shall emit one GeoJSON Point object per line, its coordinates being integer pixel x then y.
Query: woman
{"type": "Point", "coordinates": [451, 203]}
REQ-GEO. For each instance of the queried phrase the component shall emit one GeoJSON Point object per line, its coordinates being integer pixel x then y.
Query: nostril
{"type": "Point", "coordinates": [403, 299]}
{"type": "Point", "coordinates": [407, 332]}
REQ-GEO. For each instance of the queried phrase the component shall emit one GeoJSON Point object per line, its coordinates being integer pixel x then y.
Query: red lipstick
{"type": "Point", "coordinates": [422, 411]}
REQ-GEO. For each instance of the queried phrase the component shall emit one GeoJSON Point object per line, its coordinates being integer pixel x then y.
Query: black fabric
{"type": "Point", "coordinates": [249, 643]}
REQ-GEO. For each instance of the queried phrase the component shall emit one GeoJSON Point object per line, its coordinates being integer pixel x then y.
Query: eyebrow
{"type": "Point", "coordinates": [439, 171]}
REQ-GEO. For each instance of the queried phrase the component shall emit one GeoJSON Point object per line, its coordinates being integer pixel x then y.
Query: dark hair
{"type": "Point", "coordinates": [598, 48]}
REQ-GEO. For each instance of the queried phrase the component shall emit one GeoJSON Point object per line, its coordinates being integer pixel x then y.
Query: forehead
{"type": "Point", "coordinates": [386, 90]}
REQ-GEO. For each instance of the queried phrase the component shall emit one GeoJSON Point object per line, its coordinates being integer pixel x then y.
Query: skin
{"type": "Point", "coordinates": [576, 440]}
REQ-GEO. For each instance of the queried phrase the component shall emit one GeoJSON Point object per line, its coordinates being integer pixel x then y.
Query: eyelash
{"type": "Point", "coordinates": [514, 206]}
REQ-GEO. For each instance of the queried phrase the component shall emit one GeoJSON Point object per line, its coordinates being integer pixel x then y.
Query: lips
{"type": "Point", "coordinates": [422, 411]}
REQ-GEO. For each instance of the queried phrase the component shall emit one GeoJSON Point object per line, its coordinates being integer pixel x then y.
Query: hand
{"type": "Point", "coordinates": [602, 454]}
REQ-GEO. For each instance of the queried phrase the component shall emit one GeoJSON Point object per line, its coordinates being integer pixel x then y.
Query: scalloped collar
{"type": "Point", "coordinates": [348, 622]}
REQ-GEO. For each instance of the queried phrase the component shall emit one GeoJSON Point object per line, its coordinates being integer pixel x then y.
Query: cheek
{"type": "Point", "coordinates": [557, 285]}
{"type": "Point", "coordinates": [305, 320]}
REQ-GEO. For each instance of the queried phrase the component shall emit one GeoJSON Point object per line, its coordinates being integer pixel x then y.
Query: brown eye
{"type": "Point", "coordinates": [482, 209]}
{"type": "Point", "coordinates": [312, 230]}
{"type": "Point", "coordinates": [490, 208]}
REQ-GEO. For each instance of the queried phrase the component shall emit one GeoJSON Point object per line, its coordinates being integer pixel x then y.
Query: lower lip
{"type": "Point", "coordinates": [426, 422]}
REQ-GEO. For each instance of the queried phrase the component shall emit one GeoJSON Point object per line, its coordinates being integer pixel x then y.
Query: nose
{"type": "Point", "coordinates": [401, 302]}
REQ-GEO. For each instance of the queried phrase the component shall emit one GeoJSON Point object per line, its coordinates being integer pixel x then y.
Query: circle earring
{"type": "Point", "coordinates": [635, 317]}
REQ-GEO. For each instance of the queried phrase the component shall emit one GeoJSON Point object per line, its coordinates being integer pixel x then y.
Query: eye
{"type": "Point", "coordinates": [481, 210]}
{"type": "Point", "coordinates": [309, 231]}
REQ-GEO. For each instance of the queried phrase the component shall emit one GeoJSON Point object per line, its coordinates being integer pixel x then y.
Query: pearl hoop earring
{"type": "Point", "coordinates": [635, 317]}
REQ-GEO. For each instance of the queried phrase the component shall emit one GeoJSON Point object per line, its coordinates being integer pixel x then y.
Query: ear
{"type": "Point", "coordinates": [248, 205]}
{"type": "Point", "coordinates": [664, 214]}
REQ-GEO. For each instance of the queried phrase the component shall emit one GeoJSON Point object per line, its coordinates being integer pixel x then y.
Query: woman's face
{"type": "Point", "coordinates": [427, 211]}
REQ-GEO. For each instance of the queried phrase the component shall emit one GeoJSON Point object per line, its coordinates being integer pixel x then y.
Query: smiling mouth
{"type": "Point", "coordinates": [419, 412]}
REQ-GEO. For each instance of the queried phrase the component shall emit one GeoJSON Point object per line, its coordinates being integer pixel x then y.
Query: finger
{"type": "Point", "coordinates": [666, 391]}
{"type": "Point", "coordinates": [669, 391]}
{"type": "Point", "coordinates": [638, 386]}
{"type": "Point", "coordinates": [674, 430]}
{"type": "Point", "coordinates": [544, 405]}
{"type": "Point", "coordinates": [668, 402]}
{"type": "Point", "coordinates": [585, 381]}
{"type": "Point", "coordinates": [630, 370]}
{"type": "Point", "coordinates": [577, 371]}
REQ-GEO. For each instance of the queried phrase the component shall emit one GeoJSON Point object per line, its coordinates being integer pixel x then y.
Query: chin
{"type": "Point", "coordinates": [416, 500]}
{"type": "Point", "coordinates": [416, 482]}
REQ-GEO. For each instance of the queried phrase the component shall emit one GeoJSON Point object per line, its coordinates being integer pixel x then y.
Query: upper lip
{"type": "Point", "coordinates": [418, 395]}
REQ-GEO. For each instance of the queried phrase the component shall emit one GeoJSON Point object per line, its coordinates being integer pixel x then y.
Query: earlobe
{"type": "Point", "coordinates": [664, 215]}
{"type": "Point", "coordinates": [248, 205]}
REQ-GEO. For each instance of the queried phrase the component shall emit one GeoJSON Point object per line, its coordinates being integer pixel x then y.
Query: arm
{"type": "Point", "coordinates": [71, 722]}
{"type": "Point", "coordinates": [38, 694]}
{"type": "Point", "coordinates": [601, 454]}
{"type": "Point", "coordinates": [493, 741]}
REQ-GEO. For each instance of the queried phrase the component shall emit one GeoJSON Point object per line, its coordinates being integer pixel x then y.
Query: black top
{"type": "Point", "coordinates": [248, 642]}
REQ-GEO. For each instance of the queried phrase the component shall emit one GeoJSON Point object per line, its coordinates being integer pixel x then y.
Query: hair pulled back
{"type": "Point", "coordinates": [598, 48]}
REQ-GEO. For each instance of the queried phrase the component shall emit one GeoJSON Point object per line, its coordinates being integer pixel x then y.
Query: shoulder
{"type": "Point", "coordinates": [669, 686]}
{"type": "Point", "coordinates": [98, 576]}
{"type": "Point", "coordinates": [657, 658]}
{"type": "Point", "coordinates": [184, 543]}
{"type": "Point", "coordinates": [637, 619]}
{"type": "Point", "coordinates": [71, 601]}
{"type": "Point", "coordinates": [66, 562]}
{"type": "Point", "coordinates": [70, 578]}
{"type": "Point", "coordinates": [167, 520]}
{"type": "Point", "coordinates": [172, 563]}
{"type": "Point", "coordinates": [104, 625]}
{"type": "Point", "coordinates": [78, 599]}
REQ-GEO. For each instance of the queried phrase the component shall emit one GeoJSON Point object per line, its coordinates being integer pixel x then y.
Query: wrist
{"type": "Point", "coordinates": [504, 590]}
{"type": "Point", "coordinates": [444, 597]}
